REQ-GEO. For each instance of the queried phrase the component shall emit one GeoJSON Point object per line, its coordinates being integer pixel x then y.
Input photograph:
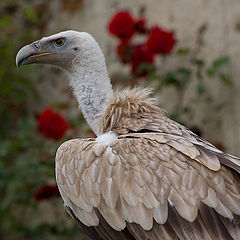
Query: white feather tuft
{"type": "Point", "coordinates": [107, 138]}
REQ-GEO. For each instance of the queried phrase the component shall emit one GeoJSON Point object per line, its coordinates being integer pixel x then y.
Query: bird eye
{"type": "Point", "coordinates": [59, 42]}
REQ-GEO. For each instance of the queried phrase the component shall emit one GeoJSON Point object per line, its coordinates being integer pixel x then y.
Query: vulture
{"type": "Point", "coordinates": [144, 176]}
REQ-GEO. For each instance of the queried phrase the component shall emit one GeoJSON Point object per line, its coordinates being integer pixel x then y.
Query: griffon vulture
{"type": "Point", "coordinates": [144, 176]}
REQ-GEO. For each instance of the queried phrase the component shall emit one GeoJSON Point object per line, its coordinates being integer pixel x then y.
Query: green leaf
{"type": "Point", "coordinates": [183, 51]}
{"type": "Point", "coordinates": [30, 15]}
{"type": "Point", "coordinates": [183, 75]}
{"type": "Point", "coordinates": [184, 71]}
{"type": "Point", "coordinates": [178, 78]}
{"type": "Point", "coordinates": [146, 67]}
{"type": "Point", "coordinates": [200, 88]}
{"type": "Point", "coordinates": [199, 62]}
{"type": "Point", "coordinates": [216, 66]}
{"type": "Point", "coordinates": [219, 62]}
{"type": "Point", "coordinates": [226, 79]}
{"type": "Point", "coordinates": [210, 72]}
{"type": "Point", "coordinates": [5, 21]}
{"type": "Point", "coordinates": [170, 79]}
{"type": "Point", "coordinates": [186, 109]}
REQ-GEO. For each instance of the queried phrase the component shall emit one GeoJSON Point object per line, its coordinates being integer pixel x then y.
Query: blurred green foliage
{"type": "Point", "coordinates": [26, 157]}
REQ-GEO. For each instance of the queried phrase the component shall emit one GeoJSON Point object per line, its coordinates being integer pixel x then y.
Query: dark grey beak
{"type": "Point", "coordinates": [28, 54]}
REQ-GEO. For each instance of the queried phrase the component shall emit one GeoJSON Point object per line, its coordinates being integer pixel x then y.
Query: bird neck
{"type": "Point", "coordinates": [91, 84]}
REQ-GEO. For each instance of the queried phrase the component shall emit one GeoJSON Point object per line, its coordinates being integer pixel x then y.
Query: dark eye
{"type": "Point", "coordinates": [59, 42]}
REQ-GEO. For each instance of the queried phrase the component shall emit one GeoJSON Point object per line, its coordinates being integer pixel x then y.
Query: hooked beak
{"type": "Point", "coordinates": [31, 53]}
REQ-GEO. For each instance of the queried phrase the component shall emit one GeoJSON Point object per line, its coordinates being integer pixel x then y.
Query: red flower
{"type": "Point", "coordinates": [125, 52]}
{"type": "Point", "coordinates": [52, 124]}
{"type": "Point", "coordinates": [160, 41]}
{"type": "Point", "coordinates": [121, 25]}
{"type": "Point", "coordinates": [141, 56]}
{"type": "Point", "coordinates": [44, 192]}
{"type": "Point", "coordinates": [140, 25]}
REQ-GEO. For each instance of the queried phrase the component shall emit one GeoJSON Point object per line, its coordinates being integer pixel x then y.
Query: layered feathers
{"type": "Point", "coordinates": [157, 180]}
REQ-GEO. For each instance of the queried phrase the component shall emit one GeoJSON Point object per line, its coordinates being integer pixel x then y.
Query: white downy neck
{"type": "Point", "coordinates": [90, 82]}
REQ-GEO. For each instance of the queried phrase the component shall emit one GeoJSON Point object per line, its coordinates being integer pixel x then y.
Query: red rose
{"type": "Point", "coordinates": [125, 52]}
{"type": "Point", "coordinates": [122, 25]}
{"type": "Point", "coordinates": [141, 56]}
{"type": "Point", "coordinates": [140, 25]}
{"type": "Point", "coordinates": [160, 41]}
{"type": "Point", "coordinates": [45, 192]}
{"type": "Point", "coordinates": [52, 124]}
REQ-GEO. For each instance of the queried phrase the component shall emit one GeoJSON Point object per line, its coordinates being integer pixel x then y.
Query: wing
{"type": "Point", "coordinates": [132, 111]}
{"type": "Point", "coordinates": [161, 124]}
{"type": "Point", "coordinates": [149, 183]}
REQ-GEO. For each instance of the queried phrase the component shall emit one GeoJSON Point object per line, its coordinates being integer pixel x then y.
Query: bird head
{"type": "Point", "coordinates": [60, 49]}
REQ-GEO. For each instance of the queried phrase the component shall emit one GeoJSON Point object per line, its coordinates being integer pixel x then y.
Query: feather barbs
{"type": "Point", "coordinates": [133, 179]}
{"type": "Point", "coordinates": [124, 110]}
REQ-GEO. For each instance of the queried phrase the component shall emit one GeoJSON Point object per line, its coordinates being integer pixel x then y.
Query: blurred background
{"type": "Point", "coordinates": [188, 51]}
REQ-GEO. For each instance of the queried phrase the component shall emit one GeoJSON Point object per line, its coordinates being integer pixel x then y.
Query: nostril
{"type": "Point", "coordinates": [36, 45]}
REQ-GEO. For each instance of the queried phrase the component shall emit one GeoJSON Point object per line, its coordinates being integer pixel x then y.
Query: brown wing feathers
{"type": "Point", "coordinates": [140, 191]}
{"type": "Point", "coordinates": [128, 185]}
{"type": "Point", "coordinates": [133, 111]}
